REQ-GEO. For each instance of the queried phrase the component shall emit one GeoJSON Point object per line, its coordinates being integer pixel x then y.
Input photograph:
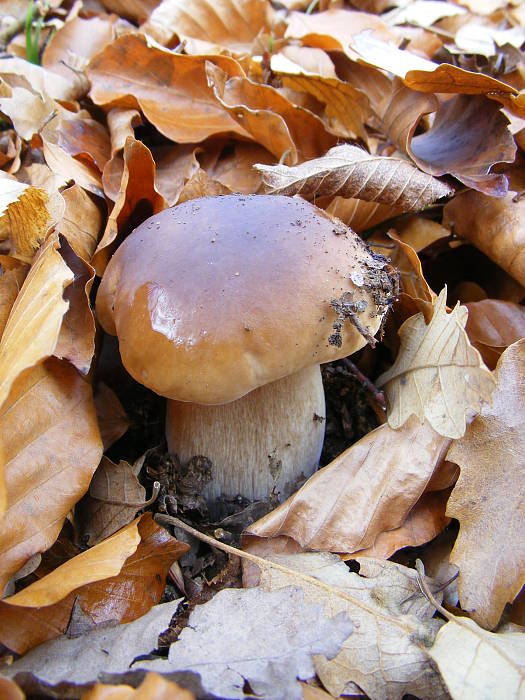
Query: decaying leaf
{"type": "Point", "coordinates": [264, 638]}
{"type": "Point", "coordinates": [369, 489]}
{"type": "Point", "coordinates": [386, 655]}
{"type": "Point", "coordinates": [51, 447]}
{"type": "Point", "coordinates": [153, 687]}
{"type": "Point", "coordinates": [82, 221]}
{"type": "Point", "coordinates": [349, 171]}
{"type": "Point", "coordinates": [489, 499]}
{"type": "Point", "coordinates": [493, 325]}
{"type": "Point", "coordinates": [112, 417]}
{"type": "Point", "coordinates": [103, 650]}
{"type": "Point", "coordinates": [438, 374]}
{"type": "Point", "coordinates": [477, 664]}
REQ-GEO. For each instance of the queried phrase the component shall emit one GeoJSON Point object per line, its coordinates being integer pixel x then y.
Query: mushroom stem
{"type": "Point", "coordinates": [268, 441]}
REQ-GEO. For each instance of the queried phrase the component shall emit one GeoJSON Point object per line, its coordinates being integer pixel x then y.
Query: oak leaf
{"type": "Point", "coordinates": [349, 171]}
{"type": "Point", "coordinates": [489, 498]}
{"type": "Point", "coordinates": [438, 374]}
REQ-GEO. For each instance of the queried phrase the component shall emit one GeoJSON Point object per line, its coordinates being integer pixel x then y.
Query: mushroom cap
{"type": "Point", "coordinates": [218, 296]}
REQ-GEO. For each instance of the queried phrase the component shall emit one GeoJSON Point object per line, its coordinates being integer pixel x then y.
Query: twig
{"type": "Point", "coordinates": [378, 395]}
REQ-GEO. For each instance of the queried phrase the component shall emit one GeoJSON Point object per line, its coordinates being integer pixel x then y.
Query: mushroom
{"type": "Point", "coordinates": [227, 306]}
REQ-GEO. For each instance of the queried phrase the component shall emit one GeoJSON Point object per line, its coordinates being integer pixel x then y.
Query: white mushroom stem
{"type": "Point", "coordinates": [269, 440]}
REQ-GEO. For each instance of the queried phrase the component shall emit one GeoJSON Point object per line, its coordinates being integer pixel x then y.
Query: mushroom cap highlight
{"type": "Point", "coordinates": [220, 295]}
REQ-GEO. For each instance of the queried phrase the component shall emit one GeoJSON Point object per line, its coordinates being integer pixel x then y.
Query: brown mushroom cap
{"type": "Point", "coordinates": [218, 296]}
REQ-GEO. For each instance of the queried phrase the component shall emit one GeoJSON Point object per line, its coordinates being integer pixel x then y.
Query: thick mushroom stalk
{"type": "Point", "coordinates": [267, 442]}
{"type": "Point", "coordinates": [227, 305]}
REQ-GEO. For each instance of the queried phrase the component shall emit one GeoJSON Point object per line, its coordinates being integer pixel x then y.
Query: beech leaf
{"type": "Point", "coordinates": [438, 374]}
{"type": "Point", "coordinates": [348, 171]}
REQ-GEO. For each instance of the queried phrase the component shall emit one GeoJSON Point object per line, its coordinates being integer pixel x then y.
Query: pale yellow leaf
{"type": "Point", "coordinates": [480, 665]}
{"type": "Point", "coordinates": [438, 374]}
{"type": "Point", "coordinates": [349, 171]}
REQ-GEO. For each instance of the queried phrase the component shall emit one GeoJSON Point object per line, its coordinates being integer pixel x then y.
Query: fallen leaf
{"type": "Point", "coordinates": [229, 24]}
{"type": "Point", "coordinates": [349, 171]}
{"type": "Point", "coordinates": [234, 639]}
{"type": "Point", "coordinates": [495, 226]}
{"type": "Point", "coordinates": [10, 691]}
{"type": "Point", "coordinates": [33, 327]}
{"type": "Point", "coordinates": [103, 650]}
{"type": "Point", "coordinates": [11, 281]}
{"type": "Point", "coordinates": [121, 124]}
{"type": "Point", "coordinates": [175, 166]}
{"type": "Point", "coordinates": [437, 374]}
{"type": "Point", "coordinates": [423, 13]}
{"type": "Point", "coordinates": [98, 519]}
{"type": "Point", "coordinates": [488, 497]}
{"type": "Point", "coordinates": [368, 489]}
{"type": "Point", "coordinates": [116, 581]}
{"type": "Point", "coordinates": [135, 10]}
{"type": "Point", "coordinates": [28, 111]}
{"type": "Point", "coordinates": [493, 325]}
{"type": "Point", "coordinates": [41, 80]}
{"type": "Point", "coordinates": [112, 419]}
{"type": "Point", "coordinates": [201, 184]}
{"type": "Point", "coordinates": [457, 143]}
{"type": "Point", "coordinates": [269, 118]}
{"type": "Point", "coordinates": [477, 664]}
{"type": "Point", "coordinates": [82, 221]}
{"type": "Point", "coordinates": [357, 213]}
{"type": "Point", "coordinates": [234, 167]}
{"type": "Point", "coordinates": [386, 655]}
{"type": "Point", "coordinates": [170, 89]}
{"type": "Point", "coordinates": [83, 138]}
{"type": "Point", "coordinates": [137, 200]}
{"type": "Point", "coordinates": [51, 447]}
{"type": "Point", "coordinates": [153, 687]}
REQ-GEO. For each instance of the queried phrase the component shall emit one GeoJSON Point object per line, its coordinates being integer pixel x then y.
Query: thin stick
{"type": "Point", "coordinates": [370, 386]}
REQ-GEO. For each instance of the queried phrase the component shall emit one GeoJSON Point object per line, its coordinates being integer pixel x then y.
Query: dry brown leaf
{"type": "Point", "coordinates": [28, 111]}
{"type": "Point", "coordinates": [82, 221]}
{"type": "Point", "coordinates": [137, 585]}
{"type": "Point", "coordinates": [121, 124]}
{"type": "Point", "coordinates": [346, 107]}
{"type": "Point", "coordinates": [201, 184]}
{"type": "Point", "coordinates": [73, 44]}
{"type": "Point", "coordinates": [175, 165]}
{"type": "Point", "coordinates": [135, 10]}
{"type": "Point", "coordinates": [10, 148]}
{"type": "Point", "coordinates": [85, 139]}
{"type": "Point", "coordinates": [153, 687]}
{"type": "Point", "coordinates": [488, 499]}
{"type": "Point", "coordinates": [67, 167]}
{"type": "Point", "coordinates": [273, 121]}
{"type": "Point", "coordinates": [477, 664]}
{"type": "Point", "coordinates": [424, 522]}
{"type": "Point", "coordinates": [51, 447]}
{"type": "Point", "coordinates": [27, 219]}
{"type": "Point", "coordinates": [11, 281]}
{"type": "Point", "coordinates": [495, 226]}
{"type": "Point", "coordinates": [18, 71]}
{"type": "Point", "coordinates": [368, 489]}
{"type": "Point", "coordinates": [103, 561]}
{"type": "Point", "coordinates": [349, 171]}
{"type": "Point", "coordinates": [137, 200]}
{"type": "Point", "coordinates": [437, 374]}
{"type": "Point", "coordinates": [10, 691]}
{"type": "Point", "coordinates": [309, 59]}
{"type": "Point", "coordinates": [493, 325]}
{"type": "Point", "coordinates": [96, 517]}
{"type": "Point", "coordinates": [33, 327]}
{"type": "Point", "coordinates": [215, 25]}
{"type": "Point", "coordinates": [234, 166]}
{"type": "Point", "coordinates": [468, 136]}
{"type": "Point", "coordinates": [76, 341]}
{"type": "Point", "coordinates": [411, 279]}
{"type": "Point", "coordinates": [170, 89]}
{"type": "Point", "coordinates": [357, 213]}
{"type": "Point", "coordinates": [112, 419]}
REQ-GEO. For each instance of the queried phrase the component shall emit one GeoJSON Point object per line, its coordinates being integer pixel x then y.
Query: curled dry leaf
{"type": "Point", "coordinates": [207, 25]}
{"type": "Point", "coordinates": [137, 200]}
{"type": "Point", "coordinates": [110, 586]}
{"type": "Point", "coordinates": [468, 136]}
{"type": "Point", "coordinates": [349, 171]}
{"type": "Point", "coordinates": [438, 374]}
{"type": "Point", "coordinates": [52, 447]}
{"type": "Point", "coordinates": [495, 226]}
{"type": "Point", "coordinates": [201, 184]}
{"type": "Point", "coordinates": [112, 418]}
{"type": "Point", "coordinates": [33, 327]}
{"type": "Point", "coordinates": [153, 687]}
{"type": "Point", "coordinates": [42, 81]}
{"type": "Point", "coordinates": [114, 497]}
{"type": "Point", "coordinates": [121, 124]}
{"type": "Point", "coordinates": [234, 167]}
{"type": "Point", "coordinates": [10, 691]}
{"type": "Point", "coordinates": [386, 655]}
{"type": "Point", "coordinates": [369, 489]}
{"type": "Point", "coordinates": [176, 165]}
{"type": "Point", "coordinates": [269, 118]}
{"type": "Point", "coordinates": [170, 89]}
{"type": "Point", "coordinates": [489, 498]}
{"type": "Point", "coordinates": [477, 664]}
{"type": "Point", "coordinates": [28, 111]}
{"type": "Point", "coordinates": [82, 221]}
{"type": "Point", "coordinates": [493, 325]}
{"type": "Point", "coordinates": [357, 213]}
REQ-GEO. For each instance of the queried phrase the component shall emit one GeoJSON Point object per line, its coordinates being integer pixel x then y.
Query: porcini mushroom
{"type": "Point", "coordinates": [227, 306]}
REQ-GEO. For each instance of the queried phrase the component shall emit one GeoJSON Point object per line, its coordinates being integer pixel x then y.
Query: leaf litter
{"type": "Point", "coordinates": [406, 123]}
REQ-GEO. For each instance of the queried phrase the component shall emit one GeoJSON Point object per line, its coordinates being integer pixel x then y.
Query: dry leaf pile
{"type": "Point", "coordinates": [406, 121]}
